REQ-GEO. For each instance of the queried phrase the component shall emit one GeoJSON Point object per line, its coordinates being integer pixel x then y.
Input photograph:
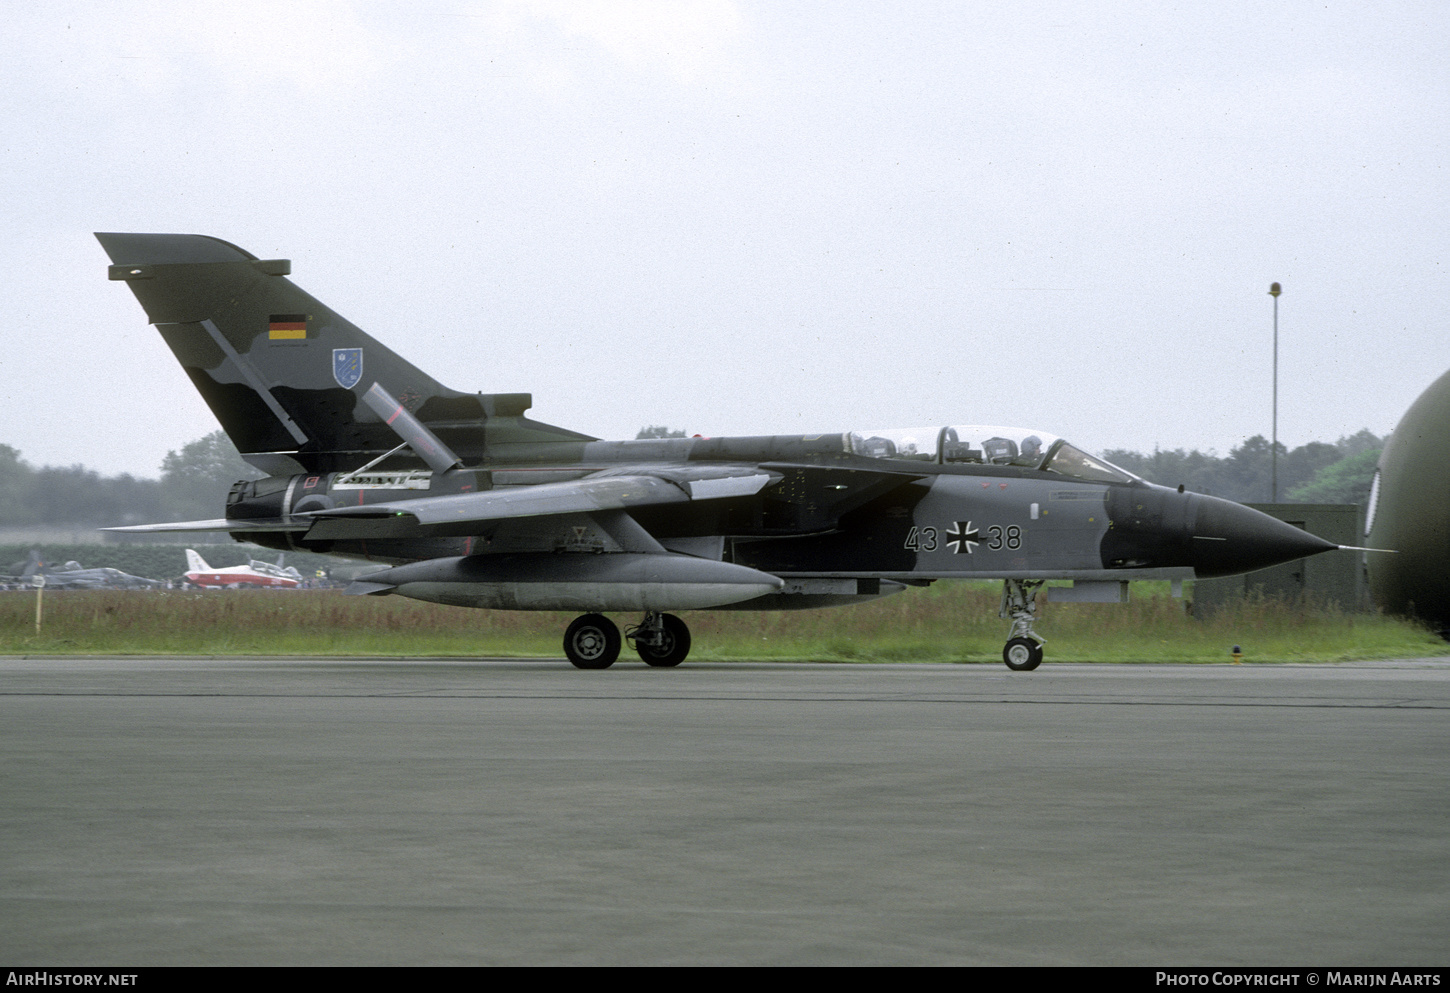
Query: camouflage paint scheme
{"type": "Point", "coordinates": [481, 506]}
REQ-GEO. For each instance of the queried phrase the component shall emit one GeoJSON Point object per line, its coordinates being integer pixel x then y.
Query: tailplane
{"type": "Point", "coordinates": [284, 373]}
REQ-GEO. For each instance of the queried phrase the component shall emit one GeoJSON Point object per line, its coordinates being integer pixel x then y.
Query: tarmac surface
{"type": "Point", "coordinates": [182, 811]}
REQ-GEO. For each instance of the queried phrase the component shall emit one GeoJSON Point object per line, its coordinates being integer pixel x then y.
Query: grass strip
{"type": "Point", "coordinates": [950, 622]}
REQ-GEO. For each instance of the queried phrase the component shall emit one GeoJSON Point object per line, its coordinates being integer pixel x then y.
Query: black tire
{"type": "Point", "coordinates": [592, 642]}
{"type": "Point", "coordinates": [672, 649]}
{"type": "Point", "coordinates": [1022, 654]}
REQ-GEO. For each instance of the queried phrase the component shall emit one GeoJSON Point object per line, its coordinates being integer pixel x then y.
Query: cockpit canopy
{"type": "Point", "coordinates": [986, 444]}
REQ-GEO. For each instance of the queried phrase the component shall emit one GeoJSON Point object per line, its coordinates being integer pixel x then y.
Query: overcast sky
{"type": "Point", "coordinates": [740, 217]}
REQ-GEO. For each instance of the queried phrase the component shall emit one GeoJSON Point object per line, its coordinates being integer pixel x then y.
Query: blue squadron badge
{"type": "Point", "coordinates": [347, 366]}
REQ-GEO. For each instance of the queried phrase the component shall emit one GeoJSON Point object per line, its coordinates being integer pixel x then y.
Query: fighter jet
{"type": "Point", "coordinates": [475, 504]}
{"type": "Point", "coordinates": [71, 576]}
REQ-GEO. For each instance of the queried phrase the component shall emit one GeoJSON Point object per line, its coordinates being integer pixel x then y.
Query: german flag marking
{"type": "Point", "coordinates": [285, 326]}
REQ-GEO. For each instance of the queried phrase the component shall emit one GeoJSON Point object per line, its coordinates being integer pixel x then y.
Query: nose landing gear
{"type": "Point", "coordinates": [1023, 651]}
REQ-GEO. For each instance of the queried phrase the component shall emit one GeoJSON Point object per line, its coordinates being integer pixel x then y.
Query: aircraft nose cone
{"type": "Point", "coordinates": [1229, 539]}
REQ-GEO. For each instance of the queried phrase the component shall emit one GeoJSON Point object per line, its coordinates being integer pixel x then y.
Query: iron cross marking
{"type": "Point", "coordinates": [963, 537]}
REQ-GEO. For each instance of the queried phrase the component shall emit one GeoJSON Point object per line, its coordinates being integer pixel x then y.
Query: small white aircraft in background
{"type": "Point", "coordinates": [255, 573]}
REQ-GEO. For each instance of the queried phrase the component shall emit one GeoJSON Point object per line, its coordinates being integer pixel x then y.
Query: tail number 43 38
{"type": "Point", "coordinates": [963, 537]}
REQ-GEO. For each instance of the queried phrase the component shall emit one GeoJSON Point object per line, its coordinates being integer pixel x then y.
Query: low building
{"type": "Point", "coordinates": [1337, 577]}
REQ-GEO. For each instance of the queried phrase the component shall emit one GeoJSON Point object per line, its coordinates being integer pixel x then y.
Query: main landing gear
{"type": "Point", "coordinates": [1023, 651]}
{"type": "Point", "coordinates": [593, 641]}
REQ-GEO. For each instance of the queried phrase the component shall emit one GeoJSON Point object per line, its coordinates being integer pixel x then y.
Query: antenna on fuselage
{"type": "Point", "coordinates": [349, 476]}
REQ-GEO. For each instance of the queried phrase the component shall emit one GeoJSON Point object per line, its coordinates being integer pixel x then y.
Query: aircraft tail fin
{"type": "Point", "coordinates": [33, 564]}
{"type": "Point", "coordinates": [284, 373]}
{"type": "Point", "coordinates": [195, 563]}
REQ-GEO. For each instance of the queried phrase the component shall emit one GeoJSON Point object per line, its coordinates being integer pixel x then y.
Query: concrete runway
{"type": "Point", "coordinates": [177, 811]}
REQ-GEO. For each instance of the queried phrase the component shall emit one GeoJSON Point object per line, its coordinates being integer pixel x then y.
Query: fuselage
{"type": "Point", "coordinates": [838, 508]}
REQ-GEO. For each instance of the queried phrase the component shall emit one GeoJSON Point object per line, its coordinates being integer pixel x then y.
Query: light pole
{"type": "Point", "coordinates": [1274, 291]}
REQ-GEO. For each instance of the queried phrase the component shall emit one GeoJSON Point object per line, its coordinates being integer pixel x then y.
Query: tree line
{"type": "Point", "coordinates": [194, 481]}
{"type": "Point", "coordinates": [1314, 473]}
{"type": "Point", "coordinates": [193, 486]}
